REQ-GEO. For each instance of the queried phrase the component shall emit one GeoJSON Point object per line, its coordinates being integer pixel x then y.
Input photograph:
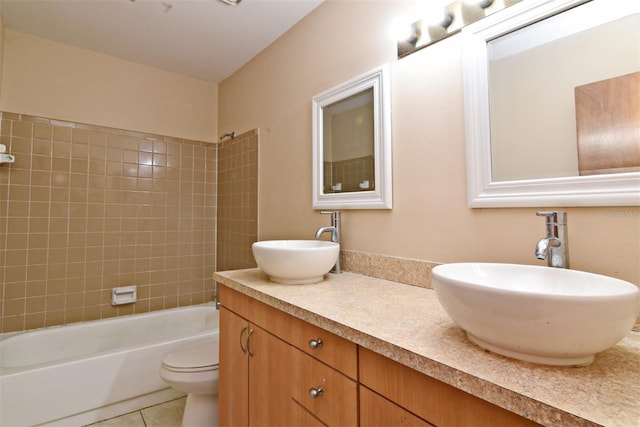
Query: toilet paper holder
{"type": "Point", "coordinates": [124, 295]}
{"type": "Point", "coordinates": [4, 157]}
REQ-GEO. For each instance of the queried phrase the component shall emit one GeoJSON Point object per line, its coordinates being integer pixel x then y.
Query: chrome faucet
{"type": "Point", "coordinates": [334, 229]}
{"type": "Point", "coordinates": [555, 247]}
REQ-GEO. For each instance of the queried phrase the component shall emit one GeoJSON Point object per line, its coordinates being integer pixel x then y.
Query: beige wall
{"type": "Point", "coordinates": [48, 79]}
{"type": "Point", "coordinates": [430, 219]}
{"type": "Point", "coordinates": [351, 134]}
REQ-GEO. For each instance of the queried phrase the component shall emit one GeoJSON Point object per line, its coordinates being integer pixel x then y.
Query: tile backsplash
{"type": "Point", "coordinates": [87, 208]}
{"type": "Point", "coordinates": [403, 270]}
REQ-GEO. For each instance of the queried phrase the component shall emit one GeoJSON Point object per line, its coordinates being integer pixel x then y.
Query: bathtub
{"type": "Point", "coordinates": [81, 373]}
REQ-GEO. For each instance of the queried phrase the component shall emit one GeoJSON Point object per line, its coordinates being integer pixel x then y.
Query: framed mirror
{"type": "Point", "coordinates": [552, 110]}
{"type": "Point", "coordinates": [352, 144]}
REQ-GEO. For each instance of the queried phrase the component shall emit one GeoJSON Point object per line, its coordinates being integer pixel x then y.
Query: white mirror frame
{"type": "Point", "coordinates": [595, 190]}
{"type": "Point", "coordinates": [382, 196]}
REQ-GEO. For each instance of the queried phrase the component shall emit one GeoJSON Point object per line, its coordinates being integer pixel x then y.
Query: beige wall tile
{"type": "Point", "coordinates": [236, 225]}
{"type": "Point", "coordinates": [34, 320]}
{"type": "Point", "coordinates": [89, 208]}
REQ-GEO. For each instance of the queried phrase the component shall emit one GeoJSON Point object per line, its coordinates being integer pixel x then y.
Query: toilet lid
{"type": "Point", "coordinates": [199, 355]}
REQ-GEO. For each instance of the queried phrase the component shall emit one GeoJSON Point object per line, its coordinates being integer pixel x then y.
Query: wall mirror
{"type": "Point", "coordinates": [552, 104]}
{"type": "Point", "coordinates": [352, 144]}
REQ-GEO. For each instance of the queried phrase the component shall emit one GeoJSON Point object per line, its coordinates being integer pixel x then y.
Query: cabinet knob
{"type": "Point", "coordinates": [314, 344]}
{"type": "Point", "coordinates": [315, 393]}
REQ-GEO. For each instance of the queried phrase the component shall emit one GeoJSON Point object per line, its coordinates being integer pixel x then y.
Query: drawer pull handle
{"type": "Point", "coordinates": [315, 393]}
{"type": "Point", "coordinates": [242, 332]}
{"type": "Point", "coordinates": [314, 344]}
{"type": "Point", "coordinates": [248, 345]}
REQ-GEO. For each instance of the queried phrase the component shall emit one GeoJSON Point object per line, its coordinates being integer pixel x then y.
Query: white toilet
{"type": "Point", "coordinates": [193, 369]}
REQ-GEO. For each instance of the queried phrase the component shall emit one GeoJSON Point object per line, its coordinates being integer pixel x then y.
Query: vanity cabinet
{"type": "Point", "coordinates": [277, 370]}
{"type": "Point", "coordinates": [429, 399]}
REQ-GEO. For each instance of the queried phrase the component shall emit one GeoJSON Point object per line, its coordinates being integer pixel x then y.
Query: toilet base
{"type": "Point", "coordinates": [200, 410]}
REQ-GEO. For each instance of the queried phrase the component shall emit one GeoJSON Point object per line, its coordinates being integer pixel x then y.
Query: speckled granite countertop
{"type": "Point", "coordinates": [407, 324]}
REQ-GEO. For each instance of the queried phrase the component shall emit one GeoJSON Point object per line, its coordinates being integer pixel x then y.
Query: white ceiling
{"type": "Point", "coordinates": [206, 39]}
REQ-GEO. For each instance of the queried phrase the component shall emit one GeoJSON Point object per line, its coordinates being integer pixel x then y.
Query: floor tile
{"type": "Point", "coordinates": [166, 415]}
{"type": "Point", "coordinates": [133, 419]}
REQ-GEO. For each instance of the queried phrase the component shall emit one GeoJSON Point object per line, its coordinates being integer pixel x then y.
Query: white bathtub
{"type": "Point", "coordinates": [77, 374]}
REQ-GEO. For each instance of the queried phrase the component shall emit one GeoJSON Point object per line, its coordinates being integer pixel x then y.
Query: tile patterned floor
{"type": "Point", "coordinates": [168, 414]}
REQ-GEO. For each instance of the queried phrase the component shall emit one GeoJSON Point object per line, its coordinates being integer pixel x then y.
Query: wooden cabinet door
{"type": "Point", "coordinates": [254, 381]}
{"type": "Point", "coordinates": [269, 380]}
{"type": "Point", "coordinates": [430, 399]}
{"type": "Point", "coordinates": [233, 375]}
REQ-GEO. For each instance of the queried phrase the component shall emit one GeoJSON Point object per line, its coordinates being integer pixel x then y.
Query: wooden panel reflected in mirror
{"type": "Point", "coordinates": [608, 125]}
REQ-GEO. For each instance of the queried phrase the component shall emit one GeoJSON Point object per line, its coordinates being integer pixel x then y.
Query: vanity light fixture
{"type": "Point", "coordinates": [231, 2]}
{"type": "Point", "coordinates": [482, 3]}
{"type": "Point", "coordinates": [444, 20]}
{"type": "Point", "coordinates": [436, 26]}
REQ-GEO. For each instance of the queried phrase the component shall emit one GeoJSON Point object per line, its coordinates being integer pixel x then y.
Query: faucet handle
{"type": "Point", "coordinates": [335, 215]}
{"type": "Point", "coordinates": [554, 217]}
{"type": "Point", "coordinates": [550, 219]}
{"type": "Point", "coordinates": [548, 214]}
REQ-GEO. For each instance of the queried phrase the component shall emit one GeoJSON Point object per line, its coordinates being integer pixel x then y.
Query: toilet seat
{"type": "Point", "coordinates": [196, 356]}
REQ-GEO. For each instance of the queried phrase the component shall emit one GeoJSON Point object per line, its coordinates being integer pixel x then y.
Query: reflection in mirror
{"type": "Point", "coordinates": [608, 125]}
{"type": "Point", "coordinates": [352, 144]}
{"type": "Point", "coordinates": [551, 105]}
{"type": "Point", "coordinates": [348, 144]}
{"type": "Point", "coordinates": [579, 52]}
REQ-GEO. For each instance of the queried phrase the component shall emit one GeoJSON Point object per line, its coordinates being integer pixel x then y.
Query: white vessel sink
{"type": "Point", "coordinates": [537, 314]}
{"type": "Point", "coordinates": [296, 262]}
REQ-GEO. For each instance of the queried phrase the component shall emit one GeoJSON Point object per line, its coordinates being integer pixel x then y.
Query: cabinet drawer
{"type": "Point", "coordinates": [268, 318]}
{"type": "Point", "coordinates": [333, 350]}
{"type": "Point", "coordinates": [338, 403]}
{"type": "Point", "coordinates": [430, 399]}
{"type": "Point", "coordinates": [376, 411]}
{"type": "Point", "coordinates": [300, 417]}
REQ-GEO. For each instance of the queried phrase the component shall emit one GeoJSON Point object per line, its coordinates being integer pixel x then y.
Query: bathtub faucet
{"type": "Point", "coordinates": [555, 246]}
{"type": "Point", "coordinates": [334, 229]}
